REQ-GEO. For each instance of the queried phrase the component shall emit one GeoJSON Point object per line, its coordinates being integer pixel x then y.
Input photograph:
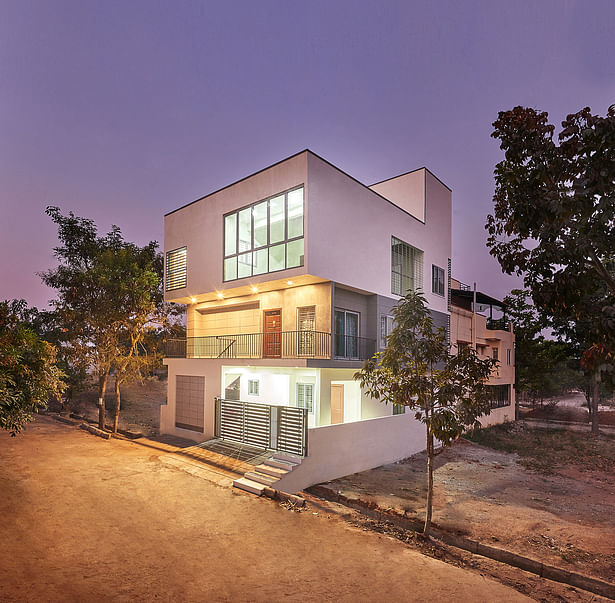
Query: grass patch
{"type": "Point", "coordinates": [546, 449]}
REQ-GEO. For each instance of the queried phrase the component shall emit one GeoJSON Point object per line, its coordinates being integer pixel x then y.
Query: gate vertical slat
{"type": "Point", "coordinates": [280, 428]}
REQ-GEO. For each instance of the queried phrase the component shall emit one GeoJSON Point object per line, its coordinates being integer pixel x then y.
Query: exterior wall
{"type": "Point", "coordinates": [199, 226]}
{"type": "Point", "coordinates": [251, 320]}
{"type": "Point", "coordinates": [338, 450]}
{"type": "Point", "coordinates": [350, 229]}
{"type": "Point", "coordinates": [486, 340]}
{"type": "Point", "coordinates": [211, 369]}
{"type": "Point", "coordinates": [343, 299]}
{"type": "Point", "coordinates": [408, 191]}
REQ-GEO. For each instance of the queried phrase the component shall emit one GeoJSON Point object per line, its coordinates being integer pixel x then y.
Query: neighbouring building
{"type": "Point", "coordinates": [289, 277]}
{"type": "Point", "coordinates": [473, 324]}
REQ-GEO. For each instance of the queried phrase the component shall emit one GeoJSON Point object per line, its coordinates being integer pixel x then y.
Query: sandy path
{"type": "Point", "coordinates": [86, 519]}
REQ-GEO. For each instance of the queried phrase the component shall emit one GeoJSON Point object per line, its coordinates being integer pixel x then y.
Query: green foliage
{"type": "Point", "coordinates": [554, 214]}
{"type": "Point", "coordinates": [446, 392]}
{"type": "Point", "coordinates": [109, 297]}
{"type": "Point", "coordinates": [28, 371]}
{"type": "Point", "coordinates": [543, 368]}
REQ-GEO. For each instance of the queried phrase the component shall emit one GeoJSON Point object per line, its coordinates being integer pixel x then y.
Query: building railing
{"type": "Point", "coordinates": [497, 324]}
{"type": "Point", "coordinates": [283, 344]}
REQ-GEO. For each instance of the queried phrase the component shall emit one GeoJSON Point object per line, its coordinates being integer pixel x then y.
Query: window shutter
{"type": "Point", "coordinates": [176, 269]}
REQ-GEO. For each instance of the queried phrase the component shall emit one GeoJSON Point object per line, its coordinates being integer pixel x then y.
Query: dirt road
{"type": "Point", "coordinates": [85, 519]}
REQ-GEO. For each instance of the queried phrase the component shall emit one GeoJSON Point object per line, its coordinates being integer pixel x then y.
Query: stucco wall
{"type": "Point", "coordinates": [350, 230]}
{"type": "Point", "coordinates": [199, 226]}
{"type": "Point", "coordinates": [338, 450]}
{"type": "Point", "coordinates": [251, 320]}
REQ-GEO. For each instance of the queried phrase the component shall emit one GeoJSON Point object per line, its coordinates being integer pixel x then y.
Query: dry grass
{"type": "Point", "coordinates": [547, 449]}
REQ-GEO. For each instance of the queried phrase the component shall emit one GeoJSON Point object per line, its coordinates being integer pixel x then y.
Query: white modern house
{"type": "Point", "coordinates": [289, 276]}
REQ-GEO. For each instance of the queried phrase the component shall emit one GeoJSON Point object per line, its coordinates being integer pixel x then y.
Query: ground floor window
{"type": "Point", "coordinates": [399, 409]}
{"type": "Point", "coordinates": [305, 396]}
{"type": "Point", "coordinates": [253, 387]}
{"type": "Point", "coordinates": [499, 395]}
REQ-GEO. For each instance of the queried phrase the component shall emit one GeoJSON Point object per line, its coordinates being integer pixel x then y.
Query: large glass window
{"type": "Point", "coordinates": [406, 268]}
{"type": "Point", "coordinates": [265, 237]}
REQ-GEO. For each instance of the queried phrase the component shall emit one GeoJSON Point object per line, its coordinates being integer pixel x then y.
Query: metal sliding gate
{"type": "Point", "coordinates": [281, 428]}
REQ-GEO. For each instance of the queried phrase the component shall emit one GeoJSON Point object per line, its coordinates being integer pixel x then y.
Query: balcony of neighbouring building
{"type": "Point", "coordinates": [285, 344]}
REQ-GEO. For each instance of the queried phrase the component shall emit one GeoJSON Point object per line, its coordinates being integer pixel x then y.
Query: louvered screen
{"type": "Point", "coordinates": [176, 269]}
{"type": "Point", "coordinates": [406, 267]}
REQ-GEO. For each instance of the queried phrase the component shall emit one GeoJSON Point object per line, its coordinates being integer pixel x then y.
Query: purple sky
{"type": "Point", "coordinates": [121, 110]}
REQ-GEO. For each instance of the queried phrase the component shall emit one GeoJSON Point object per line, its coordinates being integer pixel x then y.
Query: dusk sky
{"type": "Point", "coordinates": [121, 111]}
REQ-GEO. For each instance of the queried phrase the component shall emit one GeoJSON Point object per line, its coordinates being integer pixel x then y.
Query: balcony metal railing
{"type": "Point", "coordinates": [284, 344]}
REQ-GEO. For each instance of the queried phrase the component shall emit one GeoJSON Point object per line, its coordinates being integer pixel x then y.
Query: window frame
{"type": "Point", "coordinates": [418, 261]}
{"type": "Point", "coordinates": [268, 245]}
{"type": "Point", "coordinates": [437, 280]}
{"type": "Point", "coordinates": [310, 409]}
{"type": "Point", "coordinates": [168, 274]}
{"type": "Point", "coordinates": [254, 387]}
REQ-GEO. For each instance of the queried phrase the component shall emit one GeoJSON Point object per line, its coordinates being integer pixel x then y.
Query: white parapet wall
{"type": "Point", "coordinates": [338, 450]}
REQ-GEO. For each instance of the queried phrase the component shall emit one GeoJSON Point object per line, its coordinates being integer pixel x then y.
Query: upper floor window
{"type": "Point", "coordinates": [406, 267]}
{"type": "Point", "coordinates": [437, 280]}
{"type": "Point", "coordinates": [386, 328]}
{"type": "Point", "coordinates": [175, 269]}
{"type": "Point", "coordinates": [264, 237]}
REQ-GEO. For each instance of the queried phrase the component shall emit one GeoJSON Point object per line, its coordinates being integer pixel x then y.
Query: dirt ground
{"type": "Point", "coordinates": [569, 408]}
{"type": "Point", "coordinates": [87, 519]}
{"type": "Point", "coordinates": [139, 409]}
{"type": "Point", "coordinates": [560, 514]}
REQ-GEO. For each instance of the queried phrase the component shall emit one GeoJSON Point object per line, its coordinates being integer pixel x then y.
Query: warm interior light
{"type": "Point", "coordinates": [254, 290]}
{"type": "Point", "coordinates": [193, 300]}
{"type": "Point", "coordinates": [289, 282]}
{"type": "Point", "coordinates": [220, 295]}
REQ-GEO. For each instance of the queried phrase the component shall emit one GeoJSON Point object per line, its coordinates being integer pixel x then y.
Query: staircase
{"type": "Point", "coordinates": [267, 474]}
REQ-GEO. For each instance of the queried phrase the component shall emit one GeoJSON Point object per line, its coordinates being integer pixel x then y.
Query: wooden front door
{"type": "Point", "coordinates": [272, 334]}
{"type": "Point", "coordinates": [337, 404]}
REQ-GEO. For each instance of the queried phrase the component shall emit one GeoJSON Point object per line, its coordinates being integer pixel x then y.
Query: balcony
{"type": "Point", "coordinates": [284, 344]}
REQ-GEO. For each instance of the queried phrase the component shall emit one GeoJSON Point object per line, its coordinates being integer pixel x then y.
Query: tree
{"type": "Point", "coordinates": [28, 371]}
{"type": "Point", "coordinates": [554, 215]}
{"type": "Point", "coordinates": [543, 367]}
{"type": "Point", "coordinates": [109, 294]}
{"type": "Point", "coordinates": [447, 392]}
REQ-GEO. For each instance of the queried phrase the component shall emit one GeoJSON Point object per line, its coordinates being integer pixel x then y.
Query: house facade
{"type": "Point", "coordinates": [473, 324]}
{"type": "Point", "coordinates": [289, 277]}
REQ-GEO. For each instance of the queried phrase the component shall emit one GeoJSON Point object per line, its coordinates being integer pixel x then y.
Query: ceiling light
{"type": "Point", "coordinates": [289, 282]}
{"type": "Point", "coordinates": [254, 290]}
{"type": "Point", "coordinates": [193, 300]}
{"type": "Point", "coordinates": [220, 295]}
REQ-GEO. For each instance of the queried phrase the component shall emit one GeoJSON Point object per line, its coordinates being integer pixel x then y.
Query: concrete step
{"type": "Point", "coordinates": [249, 486]}
{"type": "Point", "coordinates": [261, 478]}
{"type": "Point", "coordinates": [279, 464]}
{"type": "Point", "coordinates": [273, 471]}
{"type": "Point", "coordinates": [289, 458]}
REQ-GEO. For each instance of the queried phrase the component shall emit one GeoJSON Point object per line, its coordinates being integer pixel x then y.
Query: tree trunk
{"type": "Point", "coordinates": [430, 446]}
{"type": "Point", "coordinates": [116, 417]}
{"type": "Point", "coordinates": [594, 404]}
{"type": "Point", "coordinates": [102, 388]}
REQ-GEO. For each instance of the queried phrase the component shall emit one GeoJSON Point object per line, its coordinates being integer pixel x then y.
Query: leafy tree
{"type": "Point", "coordinates": [28, 372]}
{"type": "Point", "coordinates": [543, 368]}
{"type": "Point", "coordinates": [554, 215]}
{"type": "Point", "coordinates": [109, 295]}
{"type": "Point", "coordinates": [446, 392]}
